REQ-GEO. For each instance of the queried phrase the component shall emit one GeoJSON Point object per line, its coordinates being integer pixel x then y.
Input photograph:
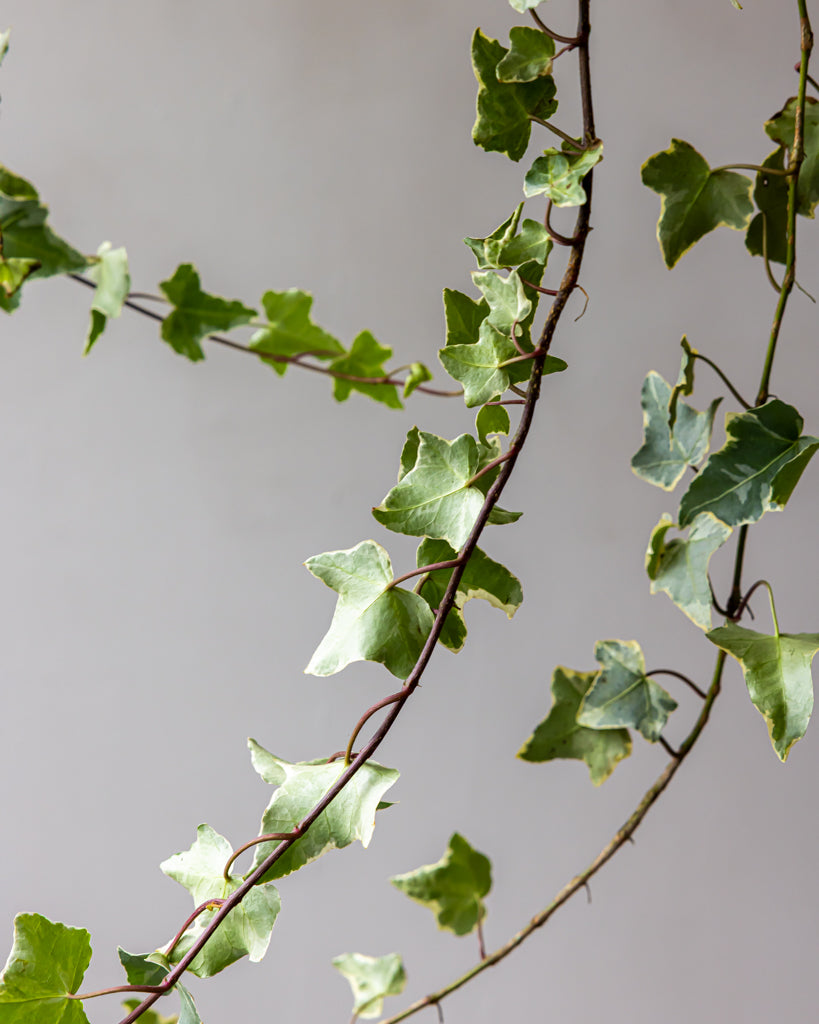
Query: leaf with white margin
{"type": "Point", "coordinates": [529, 57]}
{"type": "Point", "coordinates": [110, 275]}
{"type": "Point", "coordinates": [372, 979]}
{"type": "Point", "coordinates": [559, 175]}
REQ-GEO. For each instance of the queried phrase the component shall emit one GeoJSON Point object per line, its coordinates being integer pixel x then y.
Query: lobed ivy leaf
{"type": "Point", "coordinates": [373, 620]}
{"type": "Point", "coordinates": [247, 928]}
{"type": "Point", "coordinates": [504, 109]}
{"type": "Point", "coordinates": [768, 231]}
{"type": "Point", "coordinates": [685, 380]}
{"type": "Point", "coordinates": [695, 199]}
{"type": "Point", "coordinates": [110, 274]}
{"type": "Point", "coordinates": [777, 674]}
{"type": "Point", "coordinates": [290, 330]}
{"type": "Point", "coordinates": [196, 314]}
{"type": "Point", "coordinates": [46, 965]}
{"type": "Point", "coordinates": [529, 57]}
{"type": "Point", "coordinates": [757, 468]}
{"type": "Point", "coordinates": [350, 817]}
{"type": "Point", "coordinates": [464, 317]}
{"type": "Point", "coordinates": [560, 736]}
{"type": "Point", "coordinates": [622, 695]}
{"type": "Point", "coordinates": [372, 979]}
{"type": "Point", "coordinates": [509, 305]}
{"type": "Point", "coordinates": [666, 452]}
{"type": "Point", "coordinates": [366, 359]}
{"type": "Point", "coordinates": [482, 578]}
{"type": "Point", "coordinates": [491, 419]}
{"type": "Point", "coordinates": [781, 129]}
{"type": "Point", "coordinates": [418, 374]}
{"type": "Point", "coordinates": [559, 175]}
{"type": "Point", "coordinates": [150, 969]}
{"type": "Point", "coordinates": [453, 888]}
{"type": "Point", "coordinates": [679, 567]}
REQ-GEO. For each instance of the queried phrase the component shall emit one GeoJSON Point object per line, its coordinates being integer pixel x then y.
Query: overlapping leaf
{"type": "Point", "coordinates": [150, 969]}
{"type": "Point", "coordinates": [196, 314]}
{"type": "Point", "coordinates": [491, 419]}
{"type": "Point", "coordinates": [464, 317]}
{"type": "Point", "coordinates": [679, 567]}
{"type": "Point", "coordinates": [667, 452]}
{"type": "Point", "coordinates": [685, 380]}
{"type": "Point", "coordinates": [366, 358]}
{"type": "Point", "coordinates": [350, 817]}
{"type": "Point", "coordinates": [453, 888]}
{"type": "Point", "coordinates": [505, 248]}
{"type": "Point", "coordinates": [290, 330]}
{"type": "Point", "coordinates": [373, 620]}
{"type": "Point", "coordinates": [560, 736]}
{"type": "Point", "coordinates": [149, 1016]}
{"type": "Point", "coordinates": [781, 129]}
{"type": "Point", "coordinates": [529, 56]}
{"type": "Point", "coordinates": [113, 282]}
{"type": "Point", "coordinates": [767, 232]}
{"type": "Point", "coordinates": [622, 696]}
{"type": "Point", "coordinates": [247, 928]}
{"type": "Point", "coordinates": [757, 468]}
{"type": "Point", "coordinates": [777, 674]}
{"type": "Point", "coordinates": [372, 979]}
{"type": "Point", "coordinates": [695, 199]}
{"type": "Point", "coordinates": [46, 964]}
{"type": "Point", "coordinates": [504, 109]}
{"type": "Point", "coordinates": [559, 174]}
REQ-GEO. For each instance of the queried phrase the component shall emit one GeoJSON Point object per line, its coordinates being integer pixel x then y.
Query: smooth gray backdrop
{"type": "Point", "coordinates": [155, 514]}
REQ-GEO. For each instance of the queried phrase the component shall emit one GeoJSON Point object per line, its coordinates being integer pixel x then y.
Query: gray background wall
{"type": "Point", "coordinates": [155, 514]}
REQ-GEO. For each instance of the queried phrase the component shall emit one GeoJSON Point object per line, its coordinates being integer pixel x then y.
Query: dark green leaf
{"type": "Point", "coordinates": [373, 620]}
{"type": "Point", "coordinates": [350, 817]}
{"type": "Point", "coordinates": [110, 274]}
{"type": "Point", "coordinates": [504, 109]}
{"type": "Point", "coordinates": [196, 314]}
{"type": "Point", "coordinates": [464, 317]}
{"type": "Point", "coordinates": [290, 330]}
{"type": "Point", "coordinates": [372, 979]}
{"type": "Point", "coordinates": [695, 199]}
{"type": "Point", "coordinates": [768, 231]}
{"type": "Point", "coordinates": [492, 419]}
{"type": "Point", "coordinates": [559, 175]}
{"type": "Point", "coordinates": [560, 736]}
{"type": "Point", "coordinates": [757, 468]}
{"type": "Point", "coordinates": [781, 129]}
{"type": "Point", "coordinates": [418, 374]}
{"type": "Point", "coordinates": [622, 696]}
{"type": "Point", "coordinates": [666, 454]}
{"type": "Point", "coordinates": [46, 964]}
{"type": "Point", "coordinates": [685, 380]}
{"type": "Point", "coordinates": [529, 57]}
{"type": "Point", "coordinates": [453, 888]}
{"type": "Point", "coordinates": [777, 674]}
{"type": "Point", "coordinates": [13, 273]}
{"type": "Point", "coordinates": [365, 359]}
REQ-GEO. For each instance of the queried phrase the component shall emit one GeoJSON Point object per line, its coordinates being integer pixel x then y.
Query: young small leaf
{"type": "Point", "coordinates": [453, 888]}
{"type": "Point", "coordinates": [365, 359]}
{"type": "Point", "coordinates": [373, 620]}
{"type": "Point", "coordinates": [529, 57]}
{"type": "Point", "coordinates": [560, 736]}
{"type": "Point", "coordinates": [196, 314]}
{"type": "Point", "coordinates": [781, 128]}
{"type": "Point", "coordinates": [110, 274]}
{"type": "Point", "coordinates": [290, 331]}
{"type": "Point", "coordinates": [372, 979]}
{"type": "Point", "coordinates": [666, 453]}
{"type": "Point", "coordinates": [622, 696]}
{"type": "Point", "coordinates": [695, 199]}
{"type": "Point", "coordinates": [418, 374]}
{"type": "Point", "coordinates": [777, 674]}
{"type": "Point", "coordinates": [559, 175]}
{"type": "Point", "coordinates": [757, 468]}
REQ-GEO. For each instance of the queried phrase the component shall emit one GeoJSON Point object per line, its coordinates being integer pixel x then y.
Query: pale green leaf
{"type": "Point", "coordinates": [110, 274]}
{"type": "Point", "coordinates": [559, 175]}
{"type": "Point", "coordinates": [666, 453]}
{"type": "Point", "coordinates": [781, 128]}
{"type": "Point", "coordinates": [695, 199]}
{"type": "Point", "coordinates": [777, 674]}
{"type": "Point", "coordinates": [290, 330]}
{"type": "Point", "coordinates": [509, 305]}
{"type": "Point", "coordinates": [622, 695]}
{"type": "Point", "coordinates": [418, 374]}
{"type": "Point", "coordinates": [409, 453]}
{"type": "Point", "coordinates": [768, 231]}
{"type": "Point", "coordinates": [679, 567]}
{"type": "Point", "coordinates": [529, 57]}
{"type": "Point", "coordinates": [492, 419]}
{"type": "Point", "coordinates": [525, 5]}
{"type": "Point", "coordinates": [46, 963]}
{"type": "Point", "coordinates": [196, 314]}
{"type": "Point", "coordinates": [372, 979]}
{"type": "Point", "coordinates": [365, 359]}
{"type": "Point", "coordinates": [504, 109]}
{"type": "Point", "coordinates": [560, 736]}
{"type": "Point", "coordinates": [453, 888]}
{"type": "Point", "coordinates": [504, 248]}
{"type": "Point", "coordinates": [350, 817]}
{"type": "Point", "coordinates": [757, 468]}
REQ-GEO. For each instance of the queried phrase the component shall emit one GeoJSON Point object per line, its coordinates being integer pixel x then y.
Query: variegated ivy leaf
{"type": "Point", "coordinates": [781, 129]}
{"type": "Point", "coordinates": [525, 5]}
{"type": "Point", "coordinates": [504, 248]}
{"type": "Point", "coordinates": [529, 57]}
{"type": "Point", "coordinates": [110, 274]}
{"type": "Point", "coordinates": [492, 419]}
{"type": "Point", "coordinates": [150, 969]}
{"type": "Point", "coordinates": [366, 358]}
{"type": "Point", "coordinates": [418, 374]}
{"type": "Point", "coordinates": [685, 380]}
{"type": "Point", "coordinates": [559, 175]}
{"type": "Point", "coordinates": [290, 330]}
{"type": "Point", "coordinates": [372, 979]}
{"type": "Point", "coordinates": [196, 314]}
{"type": "Point", "coordinates": [464, 317]}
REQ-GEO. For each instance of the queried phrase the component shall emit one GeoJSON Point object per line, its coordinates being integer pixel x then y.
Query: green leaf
{"type": "Point", "coordinates": [350, 817]}
{"type": "Point", "coordinates": [4, 43]}
{"type": "Point", "coordinates": [372, 979]}
{"type": "Point", "coordinates": [290, 330]}
{"type": "Point", "coordinates": [12, 186]}
{"type": "Point", "coordinates": [247, 928]}
{"type": "Point", "coordinates": [453, 888]}
{"type": "Point", "coordinates": [489, 451]}
{"type": "Point", "coordinates": [533, 244]}
{"type": "Point", "coordinates": [487, 250]}
{"type": "Point", "coordinates": [482, 578]}
{"type": "Point", "coordinates": [409, 453]}
{"type": "Point", "coordinates": [464, 317]}
{"type": "Point", "coordinates": [666, 453]}
{"type": "Point", "coordinates": [110, 274]}
{"type": "Point", "coordinates": [695, 199]}
{"type": "Point", "coordinates": [365, 359]}
{"type": "Point", "coordinates": [559, 175]}
{"type": "Point", "coordinates": [418, 374]}
{"type": "Point", "coordinates": [196, 314]}
{"type": "Point", "coordinates": [504, 109]}
{"type": "Point", "coordinates": [777, 674]}
{"type": "Point", "coordinates": [768, 231]}
{"type": "Point", "coordinates": [685, 380]}
{"type": "Point", "coordinates": [149, 1016]}
{"type": "Point", "coordinates": [491, 419]}
{"type": "Point", "coordinates": [622, 696]}
{"type": "Point", "coordinates": [373, 620]}
{"type": "Point", "coordinates": [13, 273]}
{"type": "Point", "coordinates": [560, 736]}
{"type": "Point", "coordinates": [679, 567]}
{"type": "Point", "coordinates": [529, 57]}
{"type": "Point", "coordinates": [757, 468]}
{"type": "Point", "coordinates": [781, 128]}
{"type": "Point", "coordinates": [150, 969]}
{"type": "Point", "coordinates": [46, 964]}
